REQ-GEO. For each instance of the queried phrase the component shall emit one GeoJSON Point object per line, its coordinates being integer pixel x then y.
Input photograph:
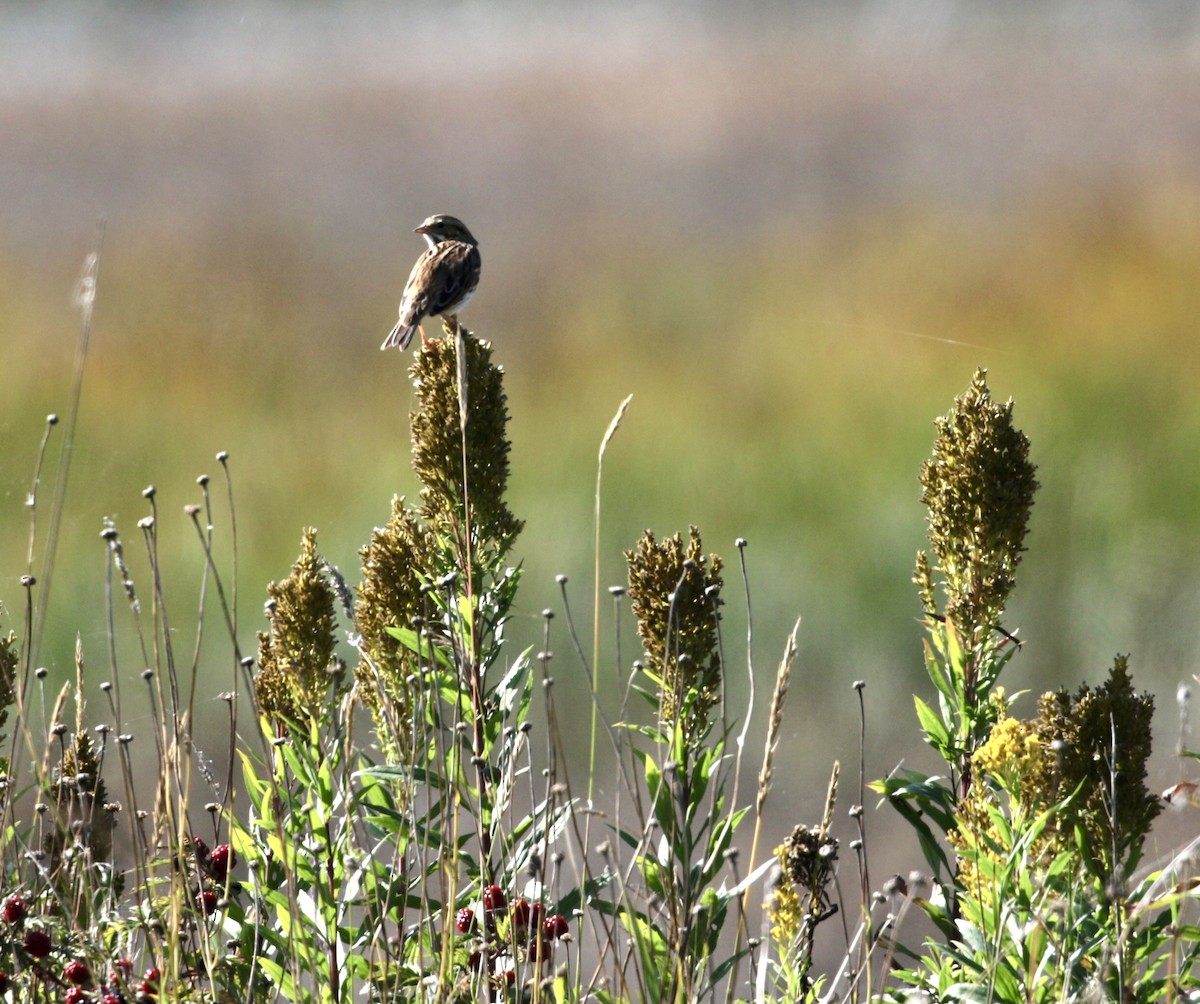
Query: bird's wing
{"type": "Point", "coordinates": [441, 278]}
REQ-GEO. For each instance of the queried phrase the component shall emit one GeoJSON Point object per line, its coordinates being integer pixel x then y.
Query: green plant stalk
{"type": "Point", "coordinates": [85, 299]}
{"type": "Point", "coordinates": [596, 550]}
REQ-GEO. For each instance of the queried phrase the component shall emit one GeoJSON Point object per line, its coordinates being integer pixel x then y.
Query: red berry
{"type": "Point", "coordinates": [75, 996]}
{"type": "Point", "coordinates": [3, 982]}
{"type": "Point", "coordinates": [538, 947]}
{"type": "Point", "coordinates": [14, 909]}
{"type": "Point", "coordinates": [221, 860]}
{"type": "Point", "coordinates": [519, 911]}
{"type": "Point", "coordinates": [206, 901]}
{"type": "Point", "coordinates": [37, 943]}
{"type": "Point", "coordinates": [150, 980]}
{"type": "Point", "coordinates": [200, 847]}
{"type": "Point", "coordinates": [556, 927]}
{"type": "Point", "coordinates": [111, 999]}
{"type": "Point", "coordinates": [77, 972]}
{"type": "Point", "coordinates": [493, 898]}
{"type": "Point", "coordinates": [464, 920]}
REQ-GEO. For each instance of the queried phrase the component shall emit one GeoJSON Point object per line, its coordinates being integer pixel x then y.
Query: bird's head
{"type": "Point", "coordinates": [441, 228]}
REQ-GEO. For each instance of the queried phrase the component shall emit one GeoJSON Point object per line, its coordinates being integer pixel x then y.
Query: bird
{"type": "Point", "coordinates": [441, 282]}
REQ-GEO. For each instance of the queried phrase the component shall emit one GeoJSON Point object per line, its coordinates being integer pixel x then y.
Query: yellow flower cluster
{"type": "Point", "coordinates": [1012, 760]}
{"type": "Point", "coordinates": [784, 907]}
{"type": "Point", "coordinates": [1012, 755]}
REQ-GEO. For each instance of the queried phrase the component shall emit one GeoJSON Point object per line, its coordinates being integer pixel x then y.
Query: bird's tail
{"type": "Point", "coordinates": [400, 336]}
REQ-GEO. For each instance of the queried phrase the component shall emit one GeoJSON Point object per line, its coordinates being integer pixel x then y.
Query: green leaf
{"type": "Point", "coordinates": [411, 641]}
{"type": "Point", "coordinates": [936, 733]}
{"type": "Point", "coordinates": [974, 993]}
{"type": "Point", "coordinates": [933, 794]}
{"type": "Point", "coordinates": [651, 948]}
{"type": "Point", "coordinates": [660, 794]}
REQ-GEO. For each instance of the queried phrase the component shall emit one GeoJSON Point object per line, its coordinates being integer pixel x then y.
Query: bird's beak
{"type": "Point", "coordinates": [422, 229]}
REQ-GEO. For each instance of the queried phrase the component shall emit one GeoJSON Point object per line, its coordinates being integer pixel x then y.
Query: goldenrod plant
{"type": "Point", "coordinates": [1035, 831]}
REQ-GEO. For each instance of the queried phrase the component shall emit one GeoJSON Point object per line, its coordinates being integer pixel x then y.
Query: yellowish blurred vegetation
{"type": "Point", "coordinates": [783, 393]}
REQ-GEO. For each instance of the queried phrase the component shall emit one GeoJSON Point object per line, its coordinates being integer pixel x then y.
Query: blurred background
{"type": "Point", "coordinates": [791, 231]}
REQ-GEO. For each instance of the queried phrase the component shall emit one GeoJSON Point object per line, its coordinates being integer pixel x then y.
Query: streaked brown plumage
{"type": "Point", "coordinates": [442, 280]}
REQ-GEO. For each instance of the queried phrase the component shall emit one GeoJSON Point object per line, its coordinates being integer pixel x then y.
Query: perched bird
{"type": "Point", "coordinates": [442, 280]}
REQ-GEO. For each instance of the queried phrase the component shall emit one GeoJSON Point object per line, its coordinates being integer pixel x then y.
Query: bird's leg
{"type": "Point", "coordinates": [424, 340]}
